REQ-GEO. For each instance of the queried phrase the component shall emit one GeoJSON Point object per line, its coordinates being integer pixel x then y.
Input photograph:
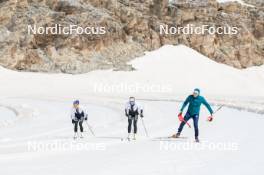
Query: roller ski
{"type": "Point", "coordinates": [76, 136]}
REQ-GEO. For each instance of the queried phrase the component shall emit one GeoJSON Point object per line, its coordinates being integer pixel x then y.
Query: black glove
{"type": "Point", "coordinates": [85, 118]}
{"type": "Point", "coordinates": [73, 121]}
{"type": "Point", "coordinates": [141, 115]}
{"type": "Point", "coordinates": [127, 115]}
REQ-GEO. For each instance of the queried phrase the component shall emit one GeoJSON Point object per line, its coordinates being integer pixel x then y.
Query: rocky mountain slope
{"type": "Point", "coordinates": [131, 28]}
{"type": "Point", "coordinates": [255, 2]}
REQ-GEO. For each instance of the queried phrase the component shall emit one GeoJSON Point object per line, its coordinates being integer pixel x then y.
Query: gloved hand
{"type": "Point", "coordinates": [180, 117]}
{"type": "Point", "coordinates": [141, 115]}
{"type": "Point", "coordinates": [73, 121]}
{"type": "Point", "coordinates": [210, 118]}
{"type": "Point", "coordinates": [85, 118]}
{"type": "Point", "coordinates": [127, 115]}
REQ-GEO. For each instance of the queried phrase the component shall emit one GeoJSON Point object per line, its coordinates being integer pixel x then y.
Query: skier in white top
{"type": "Point", "coordinates": [132, 112]}
{"type": "Point", "coordinates": [78, 116]}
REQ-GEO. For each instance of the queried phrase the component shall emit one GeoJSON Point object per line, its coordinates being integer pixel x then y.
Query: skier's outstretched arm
{"type": "Point", "coordinates": [73, 119]}
{"type": "Point", "coordinates": [206, 104]}
{"type": "Point", "coordinates": [85, 115]}
{"type": "Point", "coordinates": [185, 103]}
{"type": "Point", "coordinates": [72, 114]}
{"type": "Point", "coordinates": [141, 111]}
{"type": "Point", "coordinates": [127, 110]}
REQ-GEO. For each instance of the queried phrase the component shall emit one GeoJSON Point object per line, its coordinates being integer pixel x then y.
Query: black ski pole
{"type": "Point", "coordinates": [90, 128]}
{"type": "Point", "coordinates": [144, 127]}
{"type": "Point", "coordinates": [218, 109]}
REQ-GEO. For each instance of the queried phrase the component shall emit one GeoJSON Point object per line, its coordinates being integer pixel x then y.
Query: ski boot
{"type": "Point", "coordinates": [128, 136]}
{"type": "Point", "coordinates": [176, 135]}
{"type": "Point", "coordinates": [75, 135]}
{"type": "Point", "coordinates": [134, 137]}
{"type": "Point", "coordinates": [197, 140]}
{"type": "Point", "coordinates": [81, 135]}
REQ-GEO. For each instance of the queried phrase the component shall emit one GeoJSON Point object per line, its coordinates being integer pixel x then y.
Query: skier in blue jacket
{"type": "Point", "coordinates": [195, 101]}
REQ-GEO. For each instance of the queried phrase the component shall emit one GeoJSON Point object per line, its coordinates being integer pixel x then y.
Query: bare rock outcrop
{"type": "Point", "coordinates": [121, 30]}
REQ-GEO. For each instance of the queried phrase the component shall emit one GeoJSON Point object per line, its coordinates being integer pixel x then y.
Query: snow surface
{"type": "Point", "coordinates": [35, 107]}
{"type": "Point", "coordinates": [145, 156]}
{"type": "Point", "coordinates": [177, 69]}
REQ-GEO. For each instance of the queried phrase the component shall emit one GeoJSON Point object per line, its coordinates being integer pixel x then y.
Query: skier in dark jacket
{"type": "Point", "coordinates": [195, 101]}
{"type": "Point", "coordinates": [78, 116]}
{"type": "Point", "coordinates": [132, 111]}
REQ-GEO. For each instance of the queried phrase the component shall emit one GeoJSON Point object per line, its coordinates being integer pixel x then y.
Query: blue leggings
{"type": "Point", "coordinates": [195, 123]}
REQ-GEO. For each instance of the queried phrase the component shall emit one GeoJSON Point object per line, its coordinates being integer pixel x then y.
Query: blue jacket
{"type": "Point", "coordinates": [195, 105]}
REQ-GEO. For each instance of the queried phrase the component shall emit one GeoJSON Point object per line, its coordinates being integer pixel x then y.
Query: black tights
{"type": "Point", "coordinates": [134, 120]}
{"type": "Point", "coordinates": [76, 126]}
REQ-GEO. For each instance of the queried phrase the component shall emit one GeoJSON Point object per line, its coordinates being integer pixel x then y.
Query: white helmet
{"type": "Point", "coordinates": [132, 100]}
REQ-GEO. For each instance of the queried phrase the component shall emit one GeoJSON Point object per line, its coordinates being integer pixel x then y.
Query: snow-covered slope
{"type": "Point", "coordinates": [171, 70]}
{"type": "Point", "coordinates": [35, 109]}
{"type": "Point", "coordinates": [239, 1]}
{"type": "Point", "coordinates": [230, 141]}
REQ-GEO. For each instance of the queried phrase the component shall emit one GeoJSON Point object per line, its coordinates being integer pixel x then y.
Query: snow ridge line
{"type": "Point", "coordinates": [9, 122]}
{"type": "Point", "coordinates": [257, 110]}
{"type": "Point", "coordinates": [238, 1]}
{"type": "Point", "coordinates": [11, 109]}
{"type": "Point", "coordinates": [19, 111]}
